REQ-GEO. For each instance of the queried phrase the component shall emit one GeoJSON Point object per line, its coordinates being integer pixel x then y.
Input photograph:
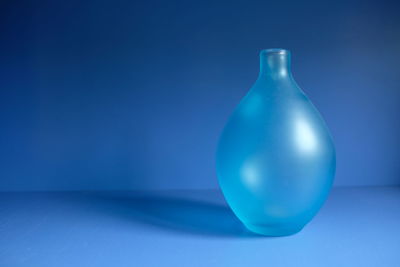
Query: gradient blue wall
{"type": "Point", "coordinates": [134, 94]}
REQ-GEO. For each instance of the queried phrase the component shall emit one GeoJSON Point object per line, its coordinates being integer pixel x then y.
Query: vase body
{"type": "Point", "coordinates": [275, 158]}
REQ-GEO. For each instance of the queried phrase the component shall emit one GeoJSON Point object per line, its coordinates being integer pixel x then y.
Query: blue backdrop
{"type": "Point", "coordinates": [120, 94]}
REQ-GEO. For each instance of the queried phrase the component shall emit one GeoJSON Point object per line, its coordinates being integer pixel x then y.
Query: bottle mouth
{"type": "Point", "coordinates": [275, 62]}
{"type": "Point", "coordinates": [279, 51]}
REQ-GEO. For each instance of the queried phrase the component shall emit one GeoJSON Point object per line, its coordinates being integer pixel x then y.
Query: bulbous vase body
{"type": "Point", "coordinates": [275, 158]}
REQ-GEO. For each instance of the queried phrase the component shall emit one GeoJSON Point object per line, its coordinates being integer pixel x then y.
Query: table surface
{"type": "Point", "coordinates": [358, 226]}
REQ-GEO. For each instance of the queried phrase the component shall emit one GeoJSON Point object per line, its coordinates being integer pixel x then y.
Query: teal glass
{"type": "Point", "coordinates": [275, 158]}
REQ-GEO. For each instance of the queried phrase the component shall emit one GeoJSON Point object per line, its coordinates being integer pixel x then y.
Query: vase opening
{"type": "Point", "coordinates": [275, 62]}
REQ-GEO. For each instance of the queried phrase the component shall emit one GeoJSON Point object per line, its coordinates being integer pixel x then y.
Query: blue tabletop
{"type": "Point", "coordinates": [356, 227]}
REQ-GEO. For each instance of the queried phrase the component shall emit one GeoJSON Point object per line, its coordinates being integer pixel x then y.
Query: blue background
{"type": "Point", "coordinates": [134, 94]}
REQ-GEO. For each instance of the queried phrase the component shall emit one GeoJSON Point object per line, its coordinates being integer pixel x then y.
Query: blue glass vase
{"type": "Point", "coordinates": [275, 158]}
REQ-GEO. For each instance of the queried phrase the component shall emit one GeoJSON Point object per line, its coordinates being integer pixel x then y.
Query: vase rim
{"type": "Point", "coordinates": [275, 51]}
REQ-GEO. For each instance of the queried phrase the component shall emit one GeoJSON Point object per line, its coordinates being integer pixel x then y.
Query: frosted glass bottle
{"type": "Point", "coordinates": [275, 158]}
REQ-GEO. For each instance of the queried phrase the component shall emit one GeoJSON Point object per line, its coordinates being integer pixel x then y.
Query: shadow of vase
{"type": "Point", "coordinates": [179, 214]}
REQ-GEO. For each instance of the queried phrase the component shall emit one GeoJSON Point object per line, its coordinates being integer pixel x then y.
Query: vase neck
{"type": "Point", "coordinates": [275, 63]}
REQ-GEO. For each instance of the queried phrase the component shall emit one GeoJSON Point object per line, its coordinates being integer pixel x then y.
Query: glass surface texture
{"type": "Point", "coordinates": [275, 158]}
